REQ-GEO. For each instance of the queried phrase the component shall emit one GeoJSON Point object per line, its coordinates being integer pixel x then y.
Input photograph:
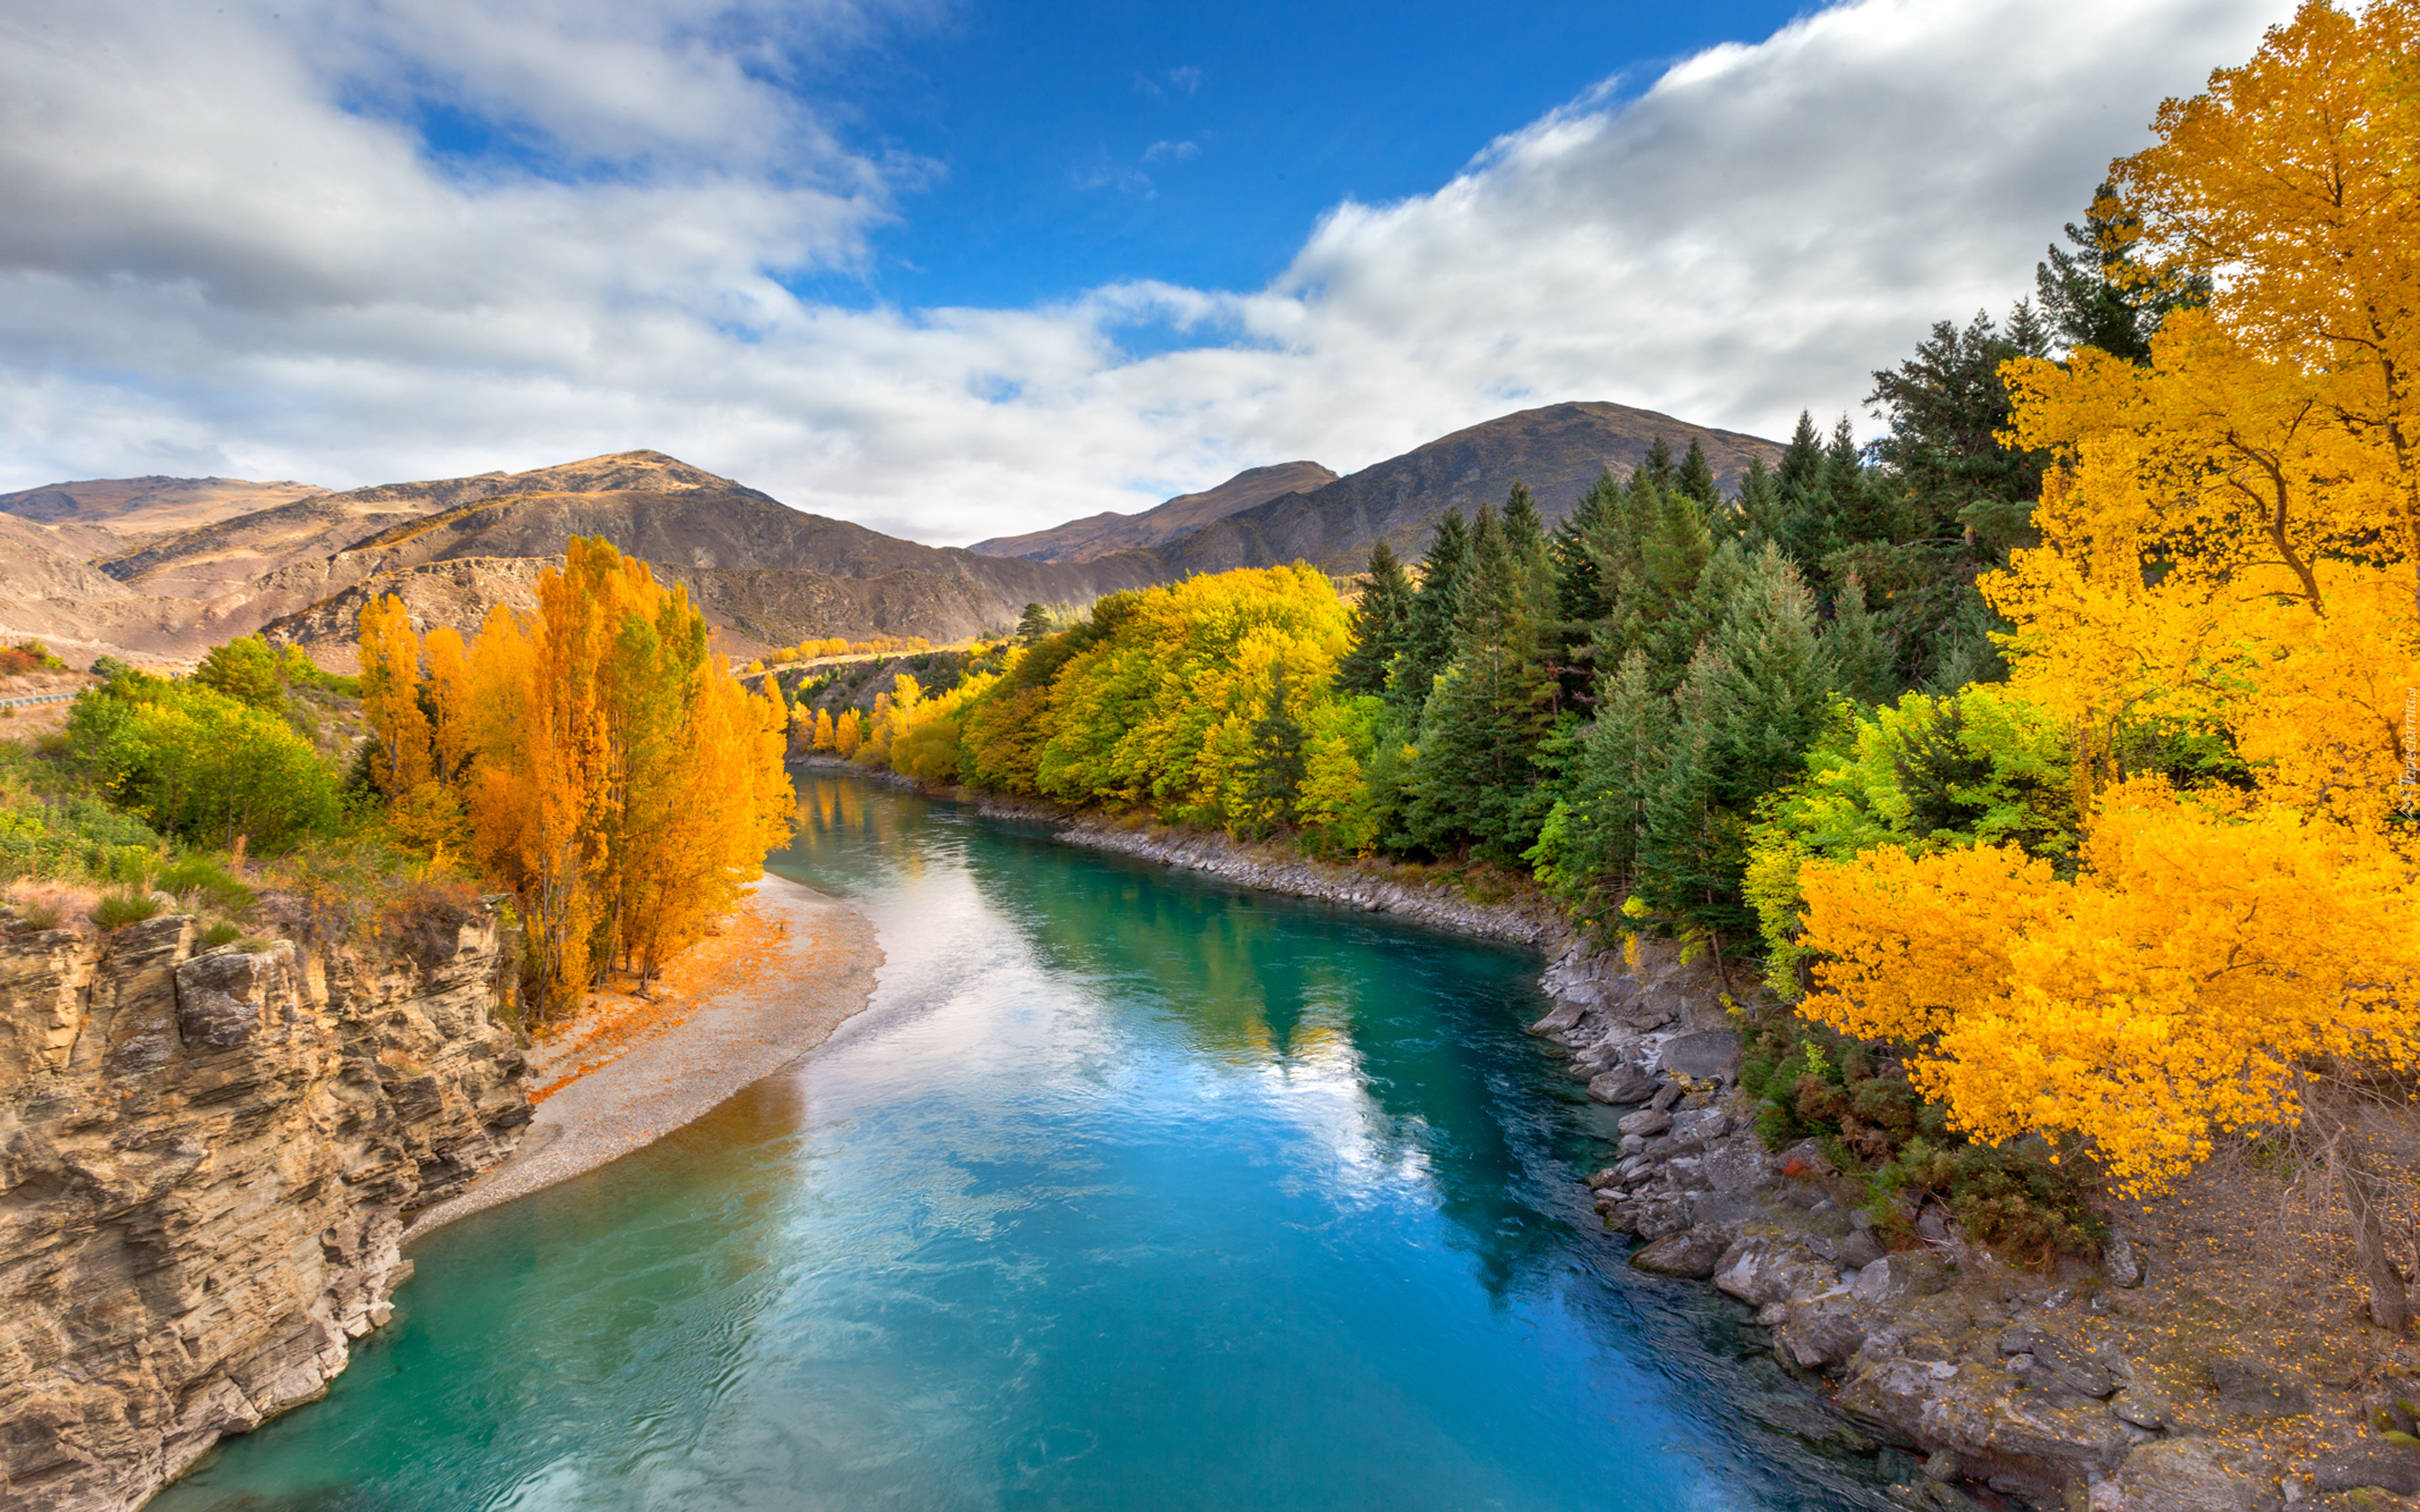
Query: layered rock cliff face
{"type": "Point", "coordinates": [206, 1159]}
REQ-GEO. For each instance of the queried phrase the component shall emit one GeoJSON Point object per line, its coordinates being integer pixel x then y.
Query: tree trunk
{"type": "Point", "coordinates": [2390, 1308]}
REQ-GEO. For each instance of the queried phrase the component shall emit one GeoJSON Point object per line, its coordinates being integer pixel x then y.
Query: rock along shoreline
{"type": "Point", "coordinates": [1980, 1384]}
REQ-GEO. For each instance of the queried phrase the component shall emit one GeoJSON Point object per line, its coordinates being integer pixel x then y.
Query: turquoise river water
{"type": "Point", "coordinates": [1130, 1191]}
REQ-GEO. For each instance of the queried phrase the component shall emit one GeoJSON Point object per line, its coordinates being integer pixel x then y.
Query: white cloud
{"type": "Point", "coordinates": [224, 253]}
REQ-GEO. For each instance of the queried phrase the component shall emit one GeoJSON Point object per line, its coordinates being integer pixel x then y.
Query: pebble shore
{"type": "Point", "coordinates": [819, 974]}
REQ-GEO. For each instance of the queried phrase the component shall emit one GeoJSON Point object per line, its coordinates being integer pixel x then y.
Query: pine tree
{"type": "Point", "coordinates": [1759, 515]}
{"type": "Point", "coordinates": [1657, 464]}
{"type": "Point", "coordinates": [1750, 703]}
{"type": "Point", "coordinates": [1274, 775]}
{"type": "Point", "coordinates": [1619, 763]}
{"type": "Point", "coordinates": [2098, 296]}
{"type": "Point", "coordinates": [1032, 625]}
{"type": "Point", "coordinates": [1696, 477]}
{"type": "Point", "coordinates": [1379, 622]}
{"type": "Point", "coordinates": [1809, 533]}
{"type": "Point", "coordinates": [1474, 781]}
{"type": "Point", "coordinates": [1863, 658]}
{"type": "Point", "coordinates": [1581, 588]}
{"type": "Point", "coordinates": [1428, 627]}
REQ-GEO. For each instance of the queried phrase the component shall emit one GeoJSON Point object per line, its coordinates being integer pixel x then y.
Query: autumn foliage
{"type": "Point", "coordinates": [594, 756]}
{"type": "Point", "coordinates": [2222, 617]}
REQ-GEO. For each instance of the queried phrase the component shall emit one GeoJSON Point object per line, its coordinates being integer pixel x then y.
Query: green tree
{"type": "Point", "coordinates": [1696, 477]}
{"type": "Point", "coordinates": [1428, 627]}
{"type": "Point", "coordinates": [2098, 296]}
{"type": "Point", "coordinates": [1947, 407]}
{"type": "Point", "coordinates": [244, 670]}
{"type": "Point", "coordinates": [1273, 775]}
{"type": "Point", "coordinates": [1379, 625]}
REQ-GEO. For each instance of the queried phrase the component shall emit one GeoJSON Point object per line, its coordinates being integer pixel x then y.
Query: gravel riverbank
{"type": "Point", "coordinates": [806, 963]}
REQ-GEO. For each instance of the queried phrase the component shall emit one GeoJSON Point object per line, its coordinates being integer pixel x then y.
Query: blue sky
{"type": "Point", "coordinates": [957, 270]}
{"type": "Point", "coordinates": [1080, 145]}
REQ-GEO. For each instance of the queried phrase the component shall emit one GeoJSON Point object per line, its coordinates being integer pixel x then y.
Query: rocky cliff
{"type": "Point", "coordinates": [206, 1160]}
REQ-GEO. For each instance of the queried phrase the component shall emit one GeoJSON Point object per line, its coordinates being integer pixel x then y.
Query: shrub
{"type": "Point", "coordinates": [116, 910]}
{"type": "Point", "coordinates": [205, 881]}
{"type": "Point", "coordinates": [221, 933]}
{"type": "Point", "coordinates": [43, 914]}
{"type": "Point", "coordinates": [201, 764]}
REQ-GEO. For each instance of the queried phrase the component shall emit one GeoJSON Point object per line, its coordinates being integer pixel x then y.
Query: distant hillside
{"type": "Point", "coordinates": [227, 557]}
{"type": "Point", "coordinates": [1557, 451]}
{"type": "Point", "coordinates": [766, 574]}
{"type": "Point", "coordinates": [145, 505]}
{"type": "Point", "coordinates": [1098, 535]}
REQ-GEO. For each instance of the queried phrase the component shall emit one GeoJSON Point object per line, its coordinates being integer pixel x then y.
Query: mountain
{"type": "Point", "coordinates": [1558, 450]}
{"type": "Point", "coordinates": [231, 556]}
{"type": "Point", "coordinates": [141, 506]}
{"type": "Point", "coordinates": [1098, 535]}
{"type": "Point", "coordinates": [300, 568]}
{"type": "Point", "coordinates": [764, 574]}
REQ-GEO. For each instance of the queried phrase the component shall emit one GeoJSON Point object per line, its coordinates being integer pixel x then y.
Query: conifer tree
{"type": "Point", "coordinates": [1273, 775]}
{"type": "Point", "coordinates": [1580, 587]}
{"type": "Point", "coordinates": [1480, 731]}
{"type": "Point", "coordinates": [1428, 627]}
{"type": "Point", "coordinates": [1696, 477]}
{"type": "Point", "coordinates": [1864, 660]}
{"type": "Point", "coordinates": [1379, 625]}
{"type": "Point", "coordinates": [2098, 297]}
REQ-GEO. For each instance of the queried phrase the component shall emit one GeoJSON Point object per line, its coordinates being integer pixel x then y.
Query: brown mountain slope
{"type": "Point", "coordinates": [1097, 535]}
{"type": "Point", "coordinates": [143, 505]}
{"type": "Point", "coordinates": [1557, 451]}
{"type": "Point", "coordinates": [225, 558]}
{"type": "Point", "coordinates": [766, 574]}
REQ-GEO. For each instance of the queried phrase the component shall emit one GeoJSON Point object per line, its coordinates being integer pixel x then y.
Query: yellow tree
{"type": "Point", "coordinates": [615, 773]}
{"type": "Point", "coordinates": [2290, 181]}
{"type": "Point", "coordinates": [2229, 545]}
{"type": "Point", "coordinates": [400, 748]}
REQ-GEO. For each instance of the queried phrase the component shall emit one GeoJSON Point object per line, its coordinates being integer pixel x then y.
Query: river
{"type": "Point", "coordinates": [1130, 1191]}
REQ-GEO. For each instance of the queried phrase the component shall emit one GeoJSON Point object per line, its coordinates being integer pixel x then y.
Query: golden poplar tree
{"type": "Point", "coordinates": [609, 767]}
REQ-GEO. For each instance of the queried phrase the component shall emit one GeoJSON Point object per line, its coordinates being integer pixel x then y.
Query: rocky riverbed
{"type": "Point", "coordinates": [2002, 1387]}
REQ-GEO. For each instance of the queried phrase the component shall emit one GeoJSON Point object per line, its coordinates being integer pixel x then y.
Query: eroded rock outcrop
{"type": "Point", "coordinates": [206, 1159]}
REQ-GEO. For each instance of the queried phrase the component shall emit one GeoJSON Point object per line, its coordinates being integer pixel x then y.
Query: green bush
{"type": "Point", "coordinates": [206, 881]}
{"type": "Point", "coordinates": [1813, 1084]}
{"type": "Point", "coordinates": [2010, 1197]}
{"type": "Point", "coordinates": [116, 910]}
{"type": "Point", "coordinates": [221, 933]}
{"type": "Point", "coordinates": [203, 765]}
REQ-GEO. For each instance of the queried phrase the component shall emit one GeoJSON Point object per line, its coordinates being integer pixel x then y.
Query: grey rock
{"type": "Point", "coordinates": [2391, 1466]}
{"type": "Point", "coordinates": [1710, 1054]}
{"type": "Point", "coordinates": [1736, 1167]}
{"type": "Point", "coordinates": [2192, 1475]}
{"type": "Point", "coordinates": [1722, 1207]}
{"type": "Point", "coordinates": [1645, 1121]}
{"type": "Point", "coordinates": [1860, 1249]}
{"type": "Point", "coordinates": [1820, 1333]}
{"type": "Point", "coordinates": [2120, 1261]}
{"type": "Point", "coordinates": [2140, 1408]}
{"type": "Point", "coordinates": [1692, 1254]}
{"type": "Point", "coordinates": [2055, 1364]}
{"type": "Point", "coordinates": [1622, 1084]}
{"type": "Point", "coordinates": [1563, 1015]}
{"type": "Point", "coordinates": [1700, 1124]}
{"type": "Point", "coordinates": [1664, 1098]}
{"type": "Point", "coordinates": [2252, 1388]}
{"type": "Point", "coordinates": [1761, 1271]}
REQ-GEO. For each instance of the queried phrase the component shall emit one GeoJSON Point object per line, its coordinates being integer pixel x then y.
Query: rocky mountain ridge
{"type": "Point", "coordinates": [764, 575]}
{"type": "Point", "coordinates": [1097, 535]}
